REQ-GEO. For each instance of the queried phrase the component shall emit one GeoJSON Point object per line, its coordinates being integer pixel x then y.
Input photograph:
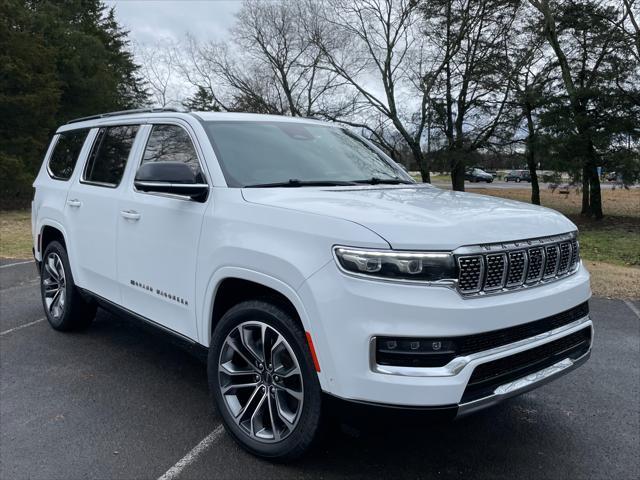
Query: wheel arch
{"type": "Point", "coordinates": [230, 285]}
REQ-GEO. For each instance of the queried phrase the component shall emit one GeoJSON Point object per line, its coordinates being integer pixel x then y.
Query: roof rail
{"type": "Point", "coordinates": [128, 112]}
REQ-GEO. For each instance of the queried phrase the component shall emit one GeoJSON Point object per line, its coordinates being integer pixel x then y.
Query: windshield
{"type": "Point", "coordinates": [297, 154]}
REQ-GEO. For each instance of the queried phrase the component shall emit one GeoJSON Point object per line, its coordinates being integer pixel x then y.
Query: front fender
{"type": "Point", "coordinates": [206, 313]}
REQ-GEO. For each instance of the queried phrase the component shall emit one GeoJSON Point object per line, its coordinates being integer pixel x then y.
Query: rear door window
{"type": "Point", "coordinates": [65, 154]}
{"type": "Point", "coordinates": [109, 155]}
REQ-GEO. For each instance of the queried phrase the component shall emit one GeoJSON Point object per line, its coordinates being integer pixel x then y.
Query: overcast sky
{"type": "Point", "coordinates": [153, 20]}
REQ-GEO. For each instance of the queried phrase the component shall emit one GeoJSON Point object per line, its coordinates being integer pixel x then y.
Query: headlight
{"type": "Point", "coordinates": [396, 265]}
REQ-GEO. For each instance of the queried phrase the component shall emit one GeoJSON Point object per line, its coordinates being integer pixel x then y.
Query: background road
{"type": "Point", "coordinates": [502, 185]}
{"type": "Point", "coordinates": [122, 401]}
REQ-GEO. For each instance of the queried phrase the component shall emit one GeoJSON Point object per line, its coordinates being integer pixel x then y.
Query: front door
{"type": "Point", "coordinates": [158, 237]}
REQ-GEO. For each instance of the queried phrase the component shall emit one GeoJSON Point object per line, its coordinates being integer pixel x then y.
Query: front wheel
{"type": "Point", "coordinates": [263, 380]}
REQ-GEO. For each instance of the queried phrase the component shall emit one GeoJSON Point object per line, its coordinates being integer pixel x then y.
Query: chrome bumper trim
{"type": "Point", "coordinates": [456, 365]}
{"type": "Point", "coordinates": [523, 385]}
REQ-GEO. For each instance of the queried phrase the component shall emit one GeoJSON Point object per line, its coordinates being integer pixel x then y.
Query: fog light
{"type": "Point", "coordinates": [414, 352]}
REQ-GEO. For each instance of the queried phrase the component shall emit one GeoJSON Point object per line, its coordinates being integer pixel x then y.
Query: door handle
{"type": "Point", "coordinates": [74, 203]}
{"type": "Point", "coordinates": [130, 215]}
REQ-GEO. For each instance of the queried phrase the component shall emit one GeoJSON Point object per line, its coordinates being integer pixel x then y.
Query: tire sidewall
{"type": "Point", "coordinates": [308, 424]}
{"type": "Point", "coordinates": [65, 319]}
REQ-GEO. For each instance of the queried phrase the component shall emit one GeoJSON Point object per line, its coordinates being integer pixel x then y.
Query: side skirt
{"type": "Point", "coordinates": [200, 351]}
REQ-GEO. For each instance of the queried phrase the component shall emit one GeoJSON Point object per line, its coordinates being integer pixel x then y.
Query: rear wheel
{"type": "Point", "coordinates": [517, 180]}
{"type": "Point", "coordinates": [63, 304]}
{"type": "Point", "coordinates": [263, 381]}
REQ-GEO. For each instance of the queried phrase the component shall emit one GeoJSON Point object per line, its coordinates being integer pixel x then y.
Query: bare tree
{"type": "Point", "coordinates": [274, 36]}
{"type": "Point", "coordinates": [378, 48]}
{"type": "Point", "coordinates": [272, 66]}
{"type": "Point", "coordinates": [630, 24]}
{"type": "Point", "coordinates": [159, 70]}
{"type": "Point", "coordinates": [477, 80]}
{"type": "Point", "coordinates": [533, 82]}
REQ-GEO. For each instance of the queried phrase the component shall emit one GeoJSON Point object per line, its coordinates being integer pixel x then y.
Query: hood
{"type": "Point", "coordinates": [422, 216]}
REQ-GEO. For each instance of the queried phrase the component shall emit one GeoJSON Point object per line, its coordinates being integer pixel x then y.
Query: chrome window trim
{"type": "Point", "coordinates": [456, 365]}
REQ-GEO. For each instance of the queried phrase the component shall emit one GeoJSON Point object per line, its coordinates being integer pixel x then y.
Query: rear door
{"type": "Point", "coordinates": [158, 236]}
{"type": "Point", "coordinates": [92, 209]}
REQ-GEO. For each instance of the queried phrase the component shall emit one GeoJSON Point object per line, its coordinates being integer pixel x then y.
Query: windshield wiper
{"type": "Point", "coordinates": [384, 181]}
{"type": "Point", "coordinates": [294, 182]}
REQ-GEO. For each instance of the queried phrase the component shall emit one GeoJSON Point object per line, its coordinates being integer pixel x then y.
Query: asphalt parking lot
{"type": "Point", "coordinates": [120, 402]}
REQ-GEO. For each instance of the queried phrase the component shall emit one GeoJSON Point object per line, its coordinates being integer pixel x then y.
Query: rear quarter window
{"type": "Point", "coordinates": [65, 154]}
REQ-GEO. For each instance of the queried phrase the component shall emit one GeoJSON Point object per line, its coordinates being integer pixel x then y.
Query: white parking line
{"type": "Point", "coordinates": [21, 327]}
{"type": "Point", "coordinates": [17, 263]}
{"type": "Point", "coordinates": [191, 457]}
{"type": "Point", "coordinates": [633, 308]}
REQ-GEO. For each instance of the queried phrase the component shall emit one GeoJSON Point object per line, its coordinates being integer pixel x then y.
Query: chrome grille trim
{"type": "Point", "coordinates": [553, 258]}
{"type": "Point", "coordinates": [513, 280]}
{"type": "Point", "coordinates": [504, 267]}
{"type": "Point", "coordinates": [495, 278]}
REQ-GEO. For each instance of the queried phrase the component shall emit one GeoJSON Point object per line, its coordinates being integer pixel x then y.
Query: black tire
{"type": "Point", "coordinates": [73, 312]}
{"type": "Point", "coordinates": [299, 438]}
{"type": "Point", "coordinates": [517, 180]}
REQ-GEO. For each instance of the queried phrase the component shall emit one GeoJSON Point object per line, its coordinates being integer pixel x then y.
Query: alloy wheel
{"type": "Point", "coordinates": [55, 286]}
{"type": "Point", "coordinates": [261, 381]}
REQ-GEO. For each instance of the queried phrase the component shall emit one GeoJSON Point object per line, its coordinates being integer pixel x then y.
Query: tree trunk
{"type": "Point", "coordinates": [586, 207]}
{"type": "Point", "coordinates": [531, 158]}
{"type": "Point", "coordinates": [595, 197]}
{"type": "Point", "coordinates": [535, 186]}
{"type": "Point", "coordinates": [457, 169]}
{"type": "Point", "coordinates": [423, 163]}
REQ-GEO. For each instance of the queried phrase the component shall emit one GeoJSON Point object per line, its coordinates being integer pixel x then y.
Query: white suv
{"type": "Point", "coordinates": [309, 265]}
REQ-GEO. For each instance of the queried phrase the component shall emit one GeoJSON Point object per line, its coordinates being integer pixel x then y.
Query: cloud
{"type": "Point", "coordinates": [150, 21]}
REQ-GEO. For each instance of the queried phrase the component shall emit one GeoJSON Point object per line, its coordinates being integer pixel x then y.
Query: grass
{"type": "Point", "coordinates": [15, 234]}
{"type": "Point", "coordinates": [609, 247]}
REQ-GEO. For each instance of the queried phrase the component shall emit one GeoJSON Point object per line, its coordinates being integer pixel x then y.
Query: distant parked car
{"type": "Point", "coordinates": [478, 175]}
{"type": "Point", "coordinates": [518, 176]}
{"type": "Point", "coordinates": [493, 173]}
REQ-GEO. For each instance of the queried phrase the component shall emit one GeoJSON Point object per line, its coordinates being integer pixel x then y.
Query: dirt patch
{"type": "Point", "coordinates": [613, 281]}
{"type": "Point", "coordinates": [15, 234]}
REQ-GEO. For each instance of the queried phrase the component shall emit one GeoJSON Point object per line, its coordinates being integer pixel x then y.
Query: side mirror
{"type": "Point", "coordinates": [170, 177]}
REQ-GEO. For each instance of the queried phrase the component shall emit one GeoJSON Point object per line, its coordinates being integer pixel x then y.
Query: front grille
{"type": "Point", "coordinates": [420, 351]}
{"type": "Point", "coordinates": [489, 376]}
{"type": "Point", "coordinates": [511, 266]}
{"type": "Point", "coordinates": [470, 276]}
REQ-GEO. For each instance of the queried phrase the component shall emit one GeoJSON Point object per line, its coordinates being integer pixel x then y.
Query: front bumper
{"type": "Point", "coordinates": [347, 314]}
